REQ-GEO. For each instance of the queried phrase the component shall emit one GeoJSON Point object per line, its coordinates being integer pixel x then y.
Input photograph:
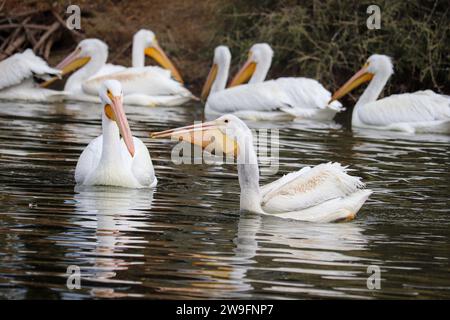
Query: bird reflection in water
{"type": "Point", "coordinates": [113, 213]}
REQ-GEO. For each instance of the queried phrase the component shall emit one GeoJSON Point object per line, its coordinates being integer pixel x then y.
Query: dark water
{"type": "Point", "coordinates": [187, 239]}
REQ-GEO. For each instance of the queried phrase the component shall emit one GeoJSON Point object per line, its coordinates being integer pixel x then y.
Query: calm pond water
{"type": "Point", "coordinates": [187, 238]}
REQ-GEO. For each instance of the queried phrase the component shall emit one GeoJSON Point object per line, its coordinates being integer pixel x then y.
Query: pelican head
{"type": "Point", "coordinates": [111, 96]}
{"type": "Point", "coordinates": [83, 53]}
{"type": "Point", "coordinates": [222, 58]}
{"type": "Point", "coordinates": [225, 134]}
{"type": "Point", "coordinates": [377, 64]}
{"type": "Point", "coordinates": [148, 42]}
{"type": "Point", "coordinates": [260, 54]}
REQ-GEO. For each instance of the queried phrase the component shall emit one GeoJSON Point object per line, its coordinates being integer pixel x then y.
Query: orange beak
{"type": "Point", "coordinates": [358, 79]}
{"type": "Point", "coordinates": [158, 54]}
{"type": "Point", "coordinates": [244, 74]}
{"type": "Point", "coordinates": [209, 82]}
{"type": "Point", "coordinates": [70, 63]}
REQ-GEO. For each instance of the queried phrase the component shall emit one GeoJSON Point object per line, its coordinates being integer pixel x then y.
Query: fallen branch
{"type": "Point", "coordinates": [13, 42]}
{"type": "Point", "coordinates": [46, 35]}
{"type": "Point", "coordinates": [13, 47]}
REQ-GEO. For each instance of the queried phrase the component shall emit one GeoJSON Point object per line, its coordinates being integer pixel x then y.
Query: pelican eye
{"type": "Point", "coordinates": [226, 120]}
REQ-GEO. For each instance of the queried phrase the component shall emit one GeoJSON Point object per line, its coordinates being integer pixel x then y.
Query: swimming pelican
{"type": "Point", "coordinates": [142, 85]}
{"type": "Point", "coordinates": [324, 193]}
{"type": "Point", "coordinates": [16, 78]}
{"type": "Point", "coordinates": [421, 111]}
{"type": "Point", "coordinates": [110, 160]}
{"type": "Point", "coordinates": [283, 98]}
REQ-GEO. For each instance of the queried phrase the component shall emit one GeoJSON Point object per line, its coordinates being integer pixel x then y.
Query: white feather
{"type": "Point", "coordinates": [334, 210]}
{"type": "Point", "coordinates": [16, 78]}
{"type": "Point", "coordinates": [298, 97]}
{"type": "Point", "coordinates": [309, 187]}
{"type": "Point", "coordinates": [21, 66]}
{"type": "Point", "coordinates": [144, 80]}
{"type": "Point", "coordinates": [131, 172]}
{"type": "Point", "coordinates": [108, 69]}
{"type": "Point", "coordinates": [408, 107]}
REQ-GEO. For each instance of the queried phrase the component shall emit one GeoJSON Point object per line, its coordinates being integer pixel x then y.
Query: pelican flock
{"type": "Point", "coordinates": [323, 193]}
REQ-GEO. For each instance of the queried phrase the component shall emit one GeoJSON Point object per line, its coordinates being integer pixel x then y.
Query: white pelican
{"type": "Point", "coordinates": [142, 85]}
{"type": "Point", "coordinates": [324, 193]}
{"type": "Point", "coordinates": [110, 160]}
{"type": "Point", "coordinates": [16, 78]}
{"type": "Point", "coordinates": [421, 111]}
{"type": "Point", "coordinates": [283, 98]}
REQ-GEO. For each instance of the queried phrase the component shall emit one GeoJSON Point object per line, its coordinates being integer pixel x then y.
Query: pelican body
{"type": "Point", "coordinates": [17, 82]}
{"type": "Point", "coordinates": [110, 160]}
{"type": "Point", "coordinates": [324, 193]}
{"type": "Point", "coordinates": [283, 98]}
{"type": "Point", "coordinates": [421, 111]}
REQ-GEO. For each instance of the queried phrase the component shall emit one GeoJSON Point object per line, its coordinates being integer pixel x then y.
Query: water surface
{"type": "Point", "coordinates": [187, 238]}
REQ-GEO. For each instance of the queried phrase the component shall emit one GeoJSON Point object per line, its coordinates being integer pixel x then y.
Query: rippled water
{"type": "Point", "coordinates": [187, 238]}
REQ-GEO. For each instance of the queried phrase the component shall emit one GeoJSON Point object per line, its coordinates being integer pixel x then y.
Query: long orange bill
{"type": "Point", "coordinates": [158, 54]}
{"type": "Point", "coordinates": [67, 65]}
{"type": "Point", "coordinates": [358, 79]}
{"type": "Point", "coordinates": [122, 123]}
{"type": "Point", "coordinates": [69, 59]}
{"type": "Point", "coordinates": [209, 82]}
{"type": "Point", "coordinates": [244, 74]}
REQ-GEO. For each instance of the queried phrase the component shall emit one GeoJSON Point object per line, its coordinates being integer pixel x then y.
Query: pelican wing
{"type": "Point", "coordinates": [146, 100]}
{"type": "Point", "coordinates": [142, 166]}
{"type": "Point", "coordinates": [309, 187]}
{"type": "Point", "coordinates": [145, 80]}
{"type": "Point", "coordinates": [141, 163]}
{"type": "Point", "coordinates": [263, 96]}
{"type": "Point", "coordinates": [421, 106]}
{"type": "Point", "coordinates": [306, 93]}
{"type": "Point", "coordinates": [108, 69]}
{"type": "Point", "coordinates": [89, 160]}
{"type": "Point", "coordinates": [298, 97]}
{"type": "Point", "coordinates": [21, 66]}
{"type": "Point", "coordinates": [334, 210]}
